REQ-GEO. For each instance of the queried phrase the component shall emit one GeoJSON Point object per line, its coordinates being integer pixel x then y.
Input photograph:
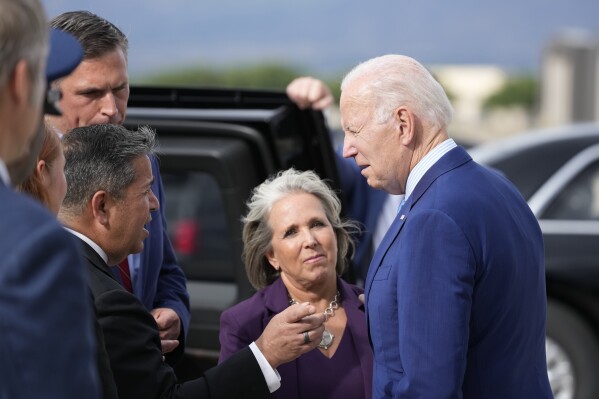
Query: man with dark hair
{"type": "Point", "coordinates": [47, 347]}
{"type": "Point", "coordinates": [97, 93]}
{"type": "Point", "coordinates": [109, 201]}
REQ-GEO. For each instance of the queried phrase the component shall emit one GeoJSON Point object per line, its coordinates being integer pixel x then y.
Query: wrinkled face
{"type": "Point", "coordinates": [132, 212]}
{"type": "Point", "coordinates": [95, 93]}
{"type": "Point", "coordinates": [304, 245]}
{"type": "Point", "coordinates": [55, 182]}
{"type": "Point", "coordinates": [374, 146]}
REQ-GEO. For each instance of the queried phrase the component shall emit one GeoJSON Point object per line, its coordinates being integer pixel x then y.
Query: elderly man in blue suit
{"type": "Point", "coordinates": [47, 346]}
{"type": "Point", "coordinates": [455, 293]}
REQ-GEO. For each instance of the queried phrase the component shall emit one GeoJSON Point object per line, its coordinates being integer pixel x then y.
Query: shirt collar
{"type": "Point", "coordinates": [4, 176]}
{"type": "Point", "coordinates": [89, 242]}
{"type": "Point", "coordinates": [426, 163]}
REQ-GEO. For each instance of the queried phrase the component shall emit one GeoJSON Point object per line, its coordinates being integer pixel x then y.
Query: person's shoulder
{"type": "Point", "coordinates": [100, 283]}
{"type": "Point", "coordinates": [17, 206]}
{"type": "Point", "coordinates": [251, 305]}
{"type": "Point", "coordinates": [25, 217]}
{"type": "Point", "coordinates": [254, 307]}
{"type": "Point", "coordinates": [350, 290]}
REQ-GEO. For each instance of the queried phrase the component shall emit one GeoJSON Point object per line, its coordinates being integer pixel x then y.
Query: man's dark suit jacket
{"type": "Point", "coordinates": [46, 338]}
{"type": "Point", "coordinates": [132, 344]}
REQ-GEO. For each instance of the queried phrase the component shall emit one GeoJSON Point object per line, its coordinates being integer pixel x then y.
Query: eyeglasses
{"type": "Point", "coordinates": [53, 97]}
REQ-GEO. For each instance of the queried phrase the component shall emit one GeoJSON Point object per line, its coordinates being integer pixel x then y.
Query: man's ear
{"type": "Point", "coordinates": [20, 83]}
{"type": "Point", "coordinates": [101, 205]}
{"type": "Point", "coordinates": [405, 122]}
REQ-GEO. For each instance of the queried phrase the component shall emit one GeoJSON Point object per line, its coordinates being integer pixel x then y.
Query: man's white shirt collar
{"type": "Point", "coordinates": [426, 163]}
{"type": "Point", "coordinates": [92, 244]}
{"type": "Point", "coordinates": [4, 173]}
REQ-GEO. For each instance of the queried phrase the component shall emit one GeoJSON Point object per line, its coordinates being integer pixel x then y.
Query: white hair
{"type": "Point", "coordinates": [395, 80]}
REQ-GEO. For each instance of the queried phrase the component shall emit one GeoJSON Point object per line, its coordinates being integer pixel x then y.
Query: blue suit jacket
{"type": "Point", "coordinates": [47, 346]}
{"type": "Point", "coordinates": [455, 294]}
{"type": "Point", "coordinates": [159, 281]}
{"type": "Point", "coordinates": [243, 323]}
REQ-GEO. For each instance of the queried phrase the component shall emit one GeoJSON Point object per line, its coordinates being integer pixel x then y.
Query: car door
{"type": "Point", "coordinates": [567, 207]}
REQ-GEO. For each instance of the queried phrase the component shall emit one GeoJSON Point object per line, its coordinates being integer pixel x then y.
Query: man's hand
{"type": "Point", "coordinates": [283, 338]}
{"type": "Point", "coordinates": [308, 92]}
{"type": "Point", "coordinates": [169, 326]}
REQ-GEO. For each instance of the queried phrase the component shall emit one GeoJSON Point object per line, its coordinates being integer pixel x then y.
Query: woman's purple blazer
{"type": "Point", "coordinates": [243, 323]}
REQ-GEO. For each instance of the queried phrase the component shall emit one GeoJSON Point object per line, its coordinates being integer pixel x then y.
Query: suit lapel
{"type": "Point", "coordinates": [385, 244]}
{"type": "Point", "coordinates": [453, 159]}
{"type": "Point", "coordinates": [95, 259]}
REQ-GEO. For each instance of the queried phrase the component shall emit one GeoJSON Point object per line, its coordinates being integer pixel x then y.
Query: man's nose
{"type": "Point", "coordinates": [109, 105]}
{"type": "Point", "coordinates": [349, 150]}
{"type": "Point", "coordinates": [154, 204]}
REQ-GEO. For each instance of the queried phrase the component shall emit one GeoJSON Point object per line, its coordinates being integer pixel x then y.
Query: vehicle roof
{"type": "Point", "coordinates": [490, 152]}
{"type": "Point", "coordinates": [529, 159]}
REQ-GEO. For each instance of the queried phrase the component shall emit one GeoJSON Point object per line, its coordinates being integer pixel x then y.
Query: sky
{"type": "Point", "coordinates": [327, 37]}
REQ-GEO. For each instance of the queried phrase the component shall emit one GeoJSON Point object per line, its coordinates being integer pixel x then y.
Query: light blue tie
{"type": "Point", "coordinates": [403, 201]}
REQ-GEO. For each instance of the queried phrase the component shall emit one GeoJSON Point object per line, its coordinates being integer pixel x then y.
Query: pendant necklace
{"type": "Point", "coordinates": [327, 336]}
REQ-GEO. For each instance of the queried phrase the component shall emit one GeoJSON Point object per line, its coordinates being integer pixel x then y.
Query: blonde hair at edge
{"type": "Point", "coordinates": [257, 233]}
{"type": "Point", "coordinates": [396, 80]}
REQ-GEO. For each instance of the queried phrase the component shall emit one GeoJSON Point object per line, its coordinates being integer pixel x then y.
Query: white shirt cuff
{"type": "Point", "coordinates": [272, 377]}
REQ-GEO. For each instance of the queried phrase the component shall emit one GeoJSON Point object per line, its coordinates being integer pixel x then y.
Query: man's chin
{"type": "Point", "coordinates": [372, 182]}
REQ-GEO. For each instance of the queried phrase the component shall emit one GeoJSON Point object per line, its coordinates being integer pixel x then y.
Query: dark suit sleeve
{"type": "Point", "coordinates": [232, 335]}
{"type": "Point", "coordinates": [434, 299]}
{"type": "Point", "coordinates": [171, 289]}
{"type": "Point", "coordinates": [47, 346]}
{"type": "Point", "coordinates": [133, 344]}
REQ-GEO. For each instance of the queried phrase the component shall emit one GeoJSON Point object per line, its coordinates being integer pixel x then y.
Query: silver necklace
{"type": "Point", "coordinates": [327, 336]}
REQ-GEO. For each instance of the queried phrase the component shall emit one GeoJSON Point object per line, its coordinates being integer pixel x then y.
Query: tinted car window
{"type": "Point", "coordinates": [197, 225]}
{"type": "Point", "coordinates": [580, 198]}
